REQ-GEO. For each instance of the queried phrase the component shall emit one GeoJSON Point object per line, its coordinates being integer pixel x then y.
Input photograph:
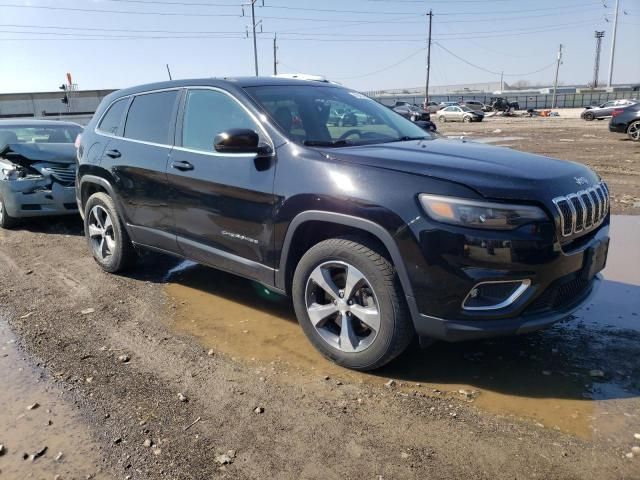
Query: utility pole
{"type": "Point", "coordinates": [254, 25]}
{"type": "Point", "coordinates": [169, 72]}
{"type": "Point", "coordinates": [613, 43]}
{"type": "Point", "coordinates": [501, 82]}
{"type": "Point", "coordinates": [426, 87]}
{"type": "Point", "coordinates": [555, 82]}
{"type": "Point", "coordinates": [275, 54]}
{"type": "Point", "coordinates": [596, 68]}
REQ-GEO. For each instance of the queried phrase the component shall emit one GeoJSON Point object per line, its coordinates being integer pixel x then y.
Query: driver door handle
{"type": "Point", "coordinates": [181, 165]}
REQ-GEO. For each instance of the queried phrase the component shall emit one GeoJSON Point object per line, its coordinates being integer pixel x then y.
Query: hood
{"type": "Point", "coordinates": [494, 172]}
{"type": "Point", "coordinates": [63, 153]}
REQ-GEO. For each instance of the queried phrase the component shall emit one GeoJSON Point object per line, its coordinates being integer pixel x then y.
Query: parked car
{"type": "Point", "coordinates": [604, 110]}
{"type": "Point", "coordinates": [378, 233]}
{"type": "Point", "coordinates": [474, 105]}
{"type": "Point", "coordinates": [457, 113]}
{"type": "Point", "coordinates": [447, 104]}
{"type": "Point", "coordinates": [37, 169]}
{"type": "Point", "coordinates": [429, 126]}
{"type": "Point", "coordinates": [412, 112]}
{"type": "Point", "coordinates": [626, 120]}
{"type": "Point", "coordinates": [431, 107]}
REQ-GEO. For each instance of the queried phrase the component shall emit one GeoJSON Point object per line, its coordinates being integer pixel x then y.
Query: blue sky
{"type": "Point", "coordinates": [364, 44]}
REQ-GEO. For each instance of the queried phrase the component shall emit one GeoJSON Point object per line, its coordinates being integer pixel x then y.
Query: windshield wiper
{"type": "Point", "coordinates": [326, 143]}
{"type": "Point", "coordinates": [406, 139]}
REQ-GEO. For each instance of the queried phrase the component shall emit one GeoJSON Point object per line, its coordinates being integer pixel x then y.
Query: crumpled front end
{"type": "Point", "coordinates": [31, 189]}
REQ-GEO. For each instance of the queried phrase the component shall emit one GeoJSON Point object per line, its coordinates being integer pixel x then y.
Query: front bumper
{"type": "Point", "coordinates": [456, 330]}
{"type": "Point", "coordinates": [36, 198]}
{"type": "Point", "coordinates": [444, 263]}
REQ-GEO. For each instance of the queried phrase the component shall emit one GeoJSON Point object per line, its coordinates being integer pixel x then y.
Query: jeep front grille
{"type": "Point", "coordinates": [583, 210]}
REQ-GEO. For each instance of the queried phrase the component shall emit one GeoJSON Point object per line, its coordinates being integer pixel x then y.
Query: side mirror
{"type": "Point", "coordinates": [240, 140]}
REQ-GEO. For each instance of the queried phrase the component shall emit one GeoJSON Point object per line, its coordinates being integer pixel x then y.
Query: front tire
{"type": "Point", "coordinates": [589, 116]}
{"type": "Point", "coordinates": [634, 131]}
{"type": "Point", "coordinates": [106, 236]}
{"type": "Point", "coordinates": [6, 220]}
{"type": "Point", "coordinates": [466, 119]}
{"type": "Point", "coordinates": [442, 119]}
{"type": "Point", "coordinates": [350, 304]}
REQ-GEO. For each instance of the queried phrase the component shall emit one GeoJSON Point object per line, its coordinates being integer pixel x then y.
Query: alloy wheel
{"type": "Point", "coordinates": [101, 233]}
{"type": "Point", "coordinates": [1, 211]}
{"type": "Point", "coordinates": [634, 131]}
{"type": "Point", "coordinates": [342, 306]}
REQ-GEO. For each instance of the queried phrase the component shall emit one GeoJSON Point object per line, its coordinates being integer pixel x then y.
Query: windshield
{"type": "Point", "coordinates": [466, 109]}
{"type": "Point", "coordinates": [46, 134]}
{"type": "Point", "coordinates": [332, 116]}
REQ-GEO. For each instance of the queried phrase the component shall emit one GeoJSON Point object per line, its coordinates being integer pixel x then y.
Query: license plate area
{"type": "Point", "coordinates": [595, 259]}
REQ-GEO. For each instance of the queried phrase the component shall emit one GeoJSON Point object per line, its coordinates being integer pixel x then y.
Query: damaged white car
{"type": "Point", "coordinates": [37, 169]}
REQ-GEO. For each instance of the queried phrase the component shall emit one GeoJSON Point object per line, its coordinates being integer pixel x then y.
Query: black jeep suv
{"type": "Point", "coordinates": [378, 232]}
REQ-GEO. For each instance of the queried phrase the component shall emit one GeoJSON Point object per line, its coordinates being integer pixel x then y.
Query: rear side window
{"type": "Point", "coordinates": [111, 120]}
{"type": "Point", "coordinates": [150, 116]}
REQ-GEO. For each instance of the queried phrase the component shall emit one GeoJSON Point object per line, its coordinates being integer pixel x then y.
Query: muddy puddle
{"type": "Point", "coordinates": [41, 434]}
{"type": "Point", "coordinates": [581, 376]}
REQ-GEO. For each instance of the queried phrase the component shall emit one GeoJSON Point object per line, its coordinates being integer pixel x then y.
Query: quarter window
{"type": "Point", "coordinates": [150, 116]}
{"type": "Point", "coordinates": [208, 113]}
{"type": "Point", "coordinates": [111, 120]}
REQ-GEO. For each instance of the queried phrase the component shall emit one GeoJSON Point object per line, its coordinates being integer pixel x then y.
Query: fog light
{"type": "Point", "coordinates": [494, 295]}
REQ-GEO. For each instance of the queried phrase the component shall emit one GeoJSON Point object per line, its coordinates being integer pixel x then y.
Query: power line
{"type": "Point", "coordinates": [370, 37]}
{"type": "Point", "coordinates": [491, 71]}
{"type": "Point", "coordinates": [388, 67]}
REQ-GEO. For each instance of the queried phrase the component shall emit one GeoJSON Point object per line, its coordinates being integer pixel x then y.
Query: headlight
{"type": "Point", "coordinates": [469, 213]}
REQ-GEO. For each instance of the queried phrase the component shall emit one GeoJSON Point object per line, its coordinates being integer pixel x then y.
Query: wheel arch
{"type": "Point", "coordinates": [331, 225]}
{"type": "Point", "coordinates": [90, 184]}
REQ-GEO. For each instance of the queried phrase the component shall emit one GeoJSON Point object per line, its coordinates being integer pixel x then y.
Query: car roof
{"type": "Point", "coordinates": [31, 122]}
{"type": "Point", "coordinates": [241, 82]}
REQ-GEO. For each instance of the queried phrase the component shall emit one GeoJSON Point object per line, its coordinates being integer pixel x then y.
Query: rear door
{"type": "Point", "coordinates": [222, 202]}
{"type": "Point", "coordinates": [137, 161]}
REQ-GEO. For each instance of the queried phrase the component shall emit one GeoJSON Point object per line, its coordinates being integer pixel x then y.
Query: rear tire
{"type": "Point", "coordinates": [634, 131]}
{"type": "Point", "coordinates": [6, 220]}
{"type": "Point", "coordinates": [106, 236]}
{"type": "Point", "coordinates": [378, 327]}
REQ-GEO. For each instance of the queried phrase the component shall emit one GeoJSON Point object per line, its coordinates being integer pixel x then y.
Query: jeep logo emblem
{"type": "Point", "coordinates": [581, 180]}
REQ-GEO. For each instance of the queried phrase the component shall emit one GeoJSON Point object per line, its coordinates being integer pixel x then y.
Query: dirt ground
{"type": "Point", "coordinates": [612, 155]}
{"type": "Point", "coordinates": [178, 371]}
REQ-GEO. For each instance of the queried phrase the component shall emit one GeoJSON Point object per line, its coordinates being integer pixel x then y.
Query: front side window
{"type": "Point", "coordinates": [149, 117]}
{"type": "Point", "coordinates": [208, 113]}
{"type": "Point", "coordinates": [111, 120]}
{"type": "Point", "coordinates": [318, 115]}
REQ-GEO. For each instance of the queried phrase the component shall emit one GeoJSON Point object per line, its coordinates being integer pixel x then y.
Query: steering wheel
{"type": "Point", "coordinates": [348, 133]}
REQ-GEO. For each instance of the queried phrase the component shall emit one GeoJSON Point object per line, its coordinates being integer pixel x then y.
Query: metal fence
{"type": "Point", "coordinates": [540, 101]}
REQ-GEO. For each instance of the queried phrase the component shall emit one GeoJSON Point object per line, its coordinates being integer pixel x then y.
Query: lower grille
{"type": "Point", "coordinates": [559, 295]}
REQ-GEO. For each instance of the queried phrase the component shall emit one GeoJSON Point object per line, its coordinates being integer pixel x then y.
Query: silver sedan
{"type": "Point", "coordinates": [457, 113]}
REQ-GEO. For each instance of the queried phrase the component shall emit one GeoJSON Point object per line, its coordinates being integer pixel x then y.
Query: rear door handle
{"type": "Point", "coordinates": [113, 154]}
{"type": "Point", "coordinates": [182, 165]}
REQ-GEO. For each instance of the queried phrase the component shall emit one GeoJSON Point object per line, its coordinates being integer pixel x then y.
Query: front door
{"type": "Point", "coordinates": [222, 202]}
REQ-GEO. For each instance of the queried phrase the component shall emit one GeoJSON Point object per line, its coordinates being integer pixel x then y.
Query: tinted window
{"type": "Point", "coordinates": [208, 113]}
{"type": "Point", "coordinates": [318, 115]}
{"type": "Point", "coordinates": [149, 117]}
{"type": "Point", "coordinates": [111, 121]}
